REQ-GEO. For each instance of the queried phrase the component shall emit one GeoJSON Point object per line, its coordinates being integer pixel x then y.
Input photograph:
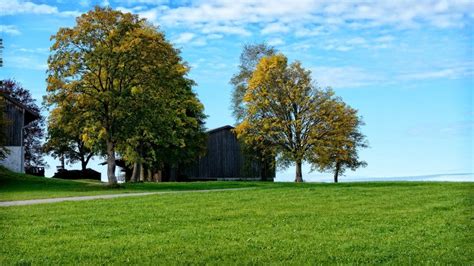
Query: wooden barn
{"type": "Point", "coordinates": [226, 160]}
{"type": "Point", "coordinates": [18, 116]}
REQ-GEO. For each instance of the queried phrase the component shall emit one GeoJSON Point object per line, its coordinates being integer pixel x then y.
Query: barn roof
{"type": "Point", "coordinates": [226, 127]}
{"type": "Point", "coordinates": [30, 115]}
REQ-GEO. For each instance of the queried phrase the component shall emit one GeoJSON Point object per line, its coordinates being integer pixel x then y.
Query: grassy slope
{"type": "Point", "coordinates": [14, 186]}
{"type": "Point", "coordinates": [397, 223]}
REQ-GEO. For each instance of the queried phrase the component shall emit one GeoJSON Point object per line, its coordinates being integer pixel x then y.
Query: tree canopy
{"type": "Point", "coordinates": [289, 114]}
{"type": "Point", "coordinates": [64, 140]}
{"type": "Point", "coordinates": [249, 58]}
{"type": "Point", "coordinates": [127, 84]}
{"type": "Point", "coordinates": [342, 152]}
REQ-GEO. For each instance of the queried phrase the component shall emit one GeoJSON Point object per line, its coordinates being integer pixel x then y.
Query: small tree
{"type": "Point", "coordinates": [342, 152]}
{"type": "Point", "coordinates": [287, 112]}
{"type": "Point", "coordinates": [64, 140]}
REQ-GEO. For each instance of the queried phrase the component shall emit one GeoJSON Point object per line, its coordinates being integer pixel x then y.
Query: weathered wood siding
{"type": "Point", "coordinates": [14, 115]}
{"type": "Point", "coordinates": [225, 159]}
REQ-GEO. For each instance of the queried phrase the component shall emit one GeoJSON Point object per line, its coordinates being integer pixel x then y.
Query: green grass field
{"type": "Point", "coordinates": [22, 187]}
{"type": "Point", "coordinates": [395, 223]}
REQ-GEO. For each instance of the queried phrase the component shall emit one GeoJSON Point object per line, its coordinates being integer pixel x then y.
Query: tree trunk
{"type": "Point", "coordinates": [148, 175]}
{"type": "Point", "coordinates": [299, 176]}
{"type": "Point", "coordinates": [63, 165]}
{"type": "Point", "coordinates": [155, 176]}
{"type": "Point", "coordinates": [336, 172]}
{"type": "Point", "coordinates": [83, 164]}
{"type": "Point", "coordinates": [158, 176]}
{"type": "Point", "coordinates": [134, 178]}
{"type": "Point", "coordinates": [111, 163]}
{"type": "Point", "coordinates": [142, 173]}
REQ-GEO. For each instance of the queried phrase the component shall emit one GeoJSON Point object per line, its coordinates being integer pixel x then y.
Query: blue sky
{"type": "Point", "coordinates": [407, 66]}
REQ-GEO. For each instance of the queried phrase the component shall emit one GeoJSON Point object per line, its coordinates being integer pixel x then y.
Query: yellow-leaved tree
{"type": "Point", "coordinates": [290, 115]}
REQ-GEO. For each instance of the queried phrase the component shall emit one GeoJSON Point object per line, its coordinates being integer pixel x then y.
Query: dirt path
{"type": "Point", "coordinates": [110, 196]}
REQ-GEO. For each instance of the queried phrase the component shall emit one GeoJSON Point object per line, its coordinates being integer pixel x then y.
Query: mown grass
{"type": "Point", "coordinates": [14, 186]}
{"type": "Point", "coordinates": [371, 223]}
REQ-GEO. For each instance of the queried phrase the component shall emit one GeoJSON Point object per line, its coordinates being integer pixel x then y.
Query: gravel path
{"type": "Point", "coordinates": [110, 196]}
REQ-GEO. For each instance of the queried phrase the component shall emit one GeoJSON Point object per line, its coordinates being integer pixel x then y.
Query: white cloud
{"type": "Point", "coordinates": [309, 31]}
{"type": "Point", "coordinates": [344, 45]}
{"type": "Point", "coordinates": [225, 29]}
{"type": "Point", "coordinates": [344, 77]}
{"type": "Point", "coordinates": [454, 71]}
{"type": "Point", "coordinates": [189, 38]}
{"type": "Point", "coordinates": [33, 50]}
{"type": "Point", "coordinates": [214, 36]}
{"type": "Point", "coordinates": [18, 7]}
{"type": "Point", "coordinates": [184, 37]}
{"type": "Point", "coordinates": [292, 16]}
{"type": "Point", "coordinates": [24, 62]}
{"type": "Point", "coordinates": [13, 7]}
{"type": "Point", "coordinates": [275, 41]}
{"type": "Point", "coordinates": [275, 28]}
{"type": "Point", "coordinates": [10, 29]}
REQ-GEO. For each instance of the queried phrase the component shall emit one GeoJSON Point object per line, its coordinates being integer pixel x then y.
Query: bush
{"type": "Point", "coordinates": [77, 174]}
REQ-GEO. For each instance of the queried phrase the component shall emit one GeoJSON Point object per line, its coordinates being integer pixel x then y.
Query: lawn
{"type": "Point", "coordinates": [15, 186]}
{"type": "Point", "coordinates": [396, 223]}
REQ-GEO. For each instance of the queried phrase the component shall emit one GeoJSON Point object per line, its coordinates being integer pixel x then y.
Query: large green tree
{"type": "Point", "coordinates": [118, 70]}
{"type": "Point", "coordinates": [175, 137]}
{"type": "Point", "coordinates": [287, 112]}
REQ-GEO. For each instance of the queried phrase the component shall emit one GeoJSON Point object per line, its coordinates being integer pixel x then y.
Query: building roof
{"type": "Point", "coordinates": [30, 115]}
{"type": "Point", "coordinates": [226, 127]}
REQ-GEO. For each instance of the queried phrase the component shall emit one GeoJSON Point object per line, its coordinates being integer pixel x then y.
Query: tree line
{"type": "Point", "coordinates": [116, 85]}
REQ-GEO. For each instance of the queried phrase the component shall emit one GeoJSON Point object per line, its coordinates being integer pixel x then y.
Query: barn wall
{"type": "Point", "coordinates": [13, 130]}
{"type": "Point", "coordinates": [14, 161]}
{"type": "Point", "coordinates": [225, 159]}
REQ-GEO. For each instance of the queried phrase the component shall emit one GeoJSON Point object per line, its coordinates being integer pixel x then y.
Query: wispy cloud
{"type": "Point", "coordinates": [14, 7]}
{"type": "Point", "coordinates": [281, 16]}
{"type": "Point", "coordinates": [184, 38]}
{"type": "Point", "coordinates": [275, 28]}
{"type": "Point", "coordinates": [189, 38]}
{"type": "Point", "coordinates": [464, 128]}
{"type": "Point", "coordinates": [10, 29]}
{"type": "Point", "coordinates": [344, 77]}
{"type": "Point", "coordinates": [344, 45]}
{"type": "Point", "coordinates": [449, 71]}
{"type": "Point", "coordinates": [276, 42]}
{"type": "Point", "coordinates": [24, 62]}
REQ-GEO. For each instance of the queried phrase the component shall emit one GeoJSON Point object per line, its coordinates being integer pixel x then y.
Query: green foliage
{"type": "Point", "coordinates": [249, 58]}
{"type": "Point", "coordinates": [64, 139]}
{"type": "Point", "coordinates": [128, 85]}
{"type": "Point", "coordinates": [360, 223]}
